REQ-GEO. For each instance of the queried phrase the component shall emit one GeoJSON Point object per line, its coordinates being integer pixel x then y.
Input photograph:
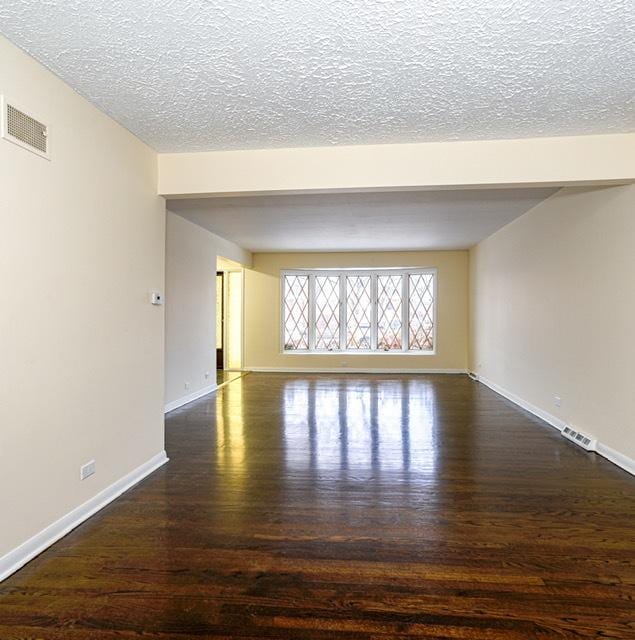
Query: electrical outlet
{"type": "Point", "coordinates": [186, 386]}
{"type": "Point", "coordinates": [557, 400]}
{"type": "Point", "coordinates": [344, 364]}
{"type": "Point", "coordinates": [87, 470]}
{"type": "Point", "coordinates": [207, 374]}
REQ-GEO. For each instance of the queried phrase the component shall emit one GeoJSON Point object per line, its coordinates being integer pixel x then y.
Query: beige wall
{"type": "Point", "coordinates": [190, 304]}
{"type": "Point", "coordinates": [81, 347]}
{"type": "Point", "coordinates": [262, 310]}
{"type": "Point", "coordinates": [571, 160]}
{"type": "Point", "coordinates": [553, 310]}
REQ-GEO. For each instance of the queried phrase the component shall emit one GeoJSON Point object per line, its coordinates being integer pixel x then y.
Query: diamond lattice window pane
{"type": "Point", "coordinates": [358, 312]}
{"type": "Point", "coordinates": [389, 305]}
{"type": "Point", "coordinates": [327, 312]}
{"type": "Point", "coordinates": [296, 312]}
{"type": "Point", "coordinates": [421, 320]}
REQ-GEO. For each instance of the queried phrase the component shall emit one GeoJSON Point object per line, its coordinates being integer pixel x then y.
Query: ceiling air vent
{"type": "Point", "coordinates": [24, 130]}
{"type": "Point", "coordinates": [582, 440]}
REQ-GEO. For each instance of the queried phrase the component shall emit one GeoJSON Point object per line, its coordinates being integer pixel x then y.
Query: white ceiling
{"type": "Point", "coordinates": [393, 221]}
{"type": "Point", "coordinates": [190, 75]}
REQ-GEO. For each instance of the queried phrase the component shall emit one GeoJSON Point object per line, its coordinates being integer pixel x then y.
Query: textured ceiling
{"type": "Point", "coordinates": [190, 75]}
{"type": "Point", "coordinates": [394, 221]}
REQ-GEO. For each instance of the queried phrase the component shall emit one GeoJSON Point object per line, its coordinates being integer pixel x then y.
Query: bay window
{"type": "Point", "coordinates": [358, 311]}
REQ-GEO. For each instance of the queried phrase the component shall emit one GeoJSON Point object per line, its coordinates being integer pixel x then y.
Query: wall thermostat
{"type": "Point", "coordinates": [156, 297]}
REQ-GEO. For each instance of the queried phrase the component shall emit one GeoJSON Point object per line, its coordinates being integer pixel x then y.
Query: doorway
{"type": "Point", "coordinates": [229, 320]}
{"type": "Point", "coordinates": [220, 320]}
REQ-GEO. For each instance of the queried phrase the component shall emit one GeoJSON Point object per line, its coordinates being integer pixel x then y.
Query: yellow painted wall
{"type": "Point", "coordinates": [553, 310]}
{"type": "Point", "coordinates": [262, 310]}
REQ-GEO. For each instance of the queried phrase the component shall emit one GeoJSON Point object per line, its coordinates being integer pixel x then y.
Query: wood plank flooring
{"type": "Point", "coordinates": [223, 376]}
{"type": "Point", "coordinates": [347, 506]}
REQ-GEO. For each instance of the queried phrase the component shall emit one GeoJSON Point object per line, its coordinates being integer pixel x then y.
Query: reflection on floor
{"type": "Point", "coordinates": [227, 376]}
{"type": "Point", "coordinates": [350, 507]}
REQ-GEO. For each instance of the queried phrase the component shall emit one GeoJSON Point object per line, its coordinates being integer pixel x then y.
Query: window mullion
{"type": "Point", "coordinates": [409, 286]}
{"type": "Point", "coordinates": [373, 312]}
{"type": "Point", "coordinates": [405, 311]}
{"type": "Point", "coordinates": [283, 311]}
{"type": "Point", "coordinates": [343, 311]}
{"type": "Point", "coordinates": [311, 312]}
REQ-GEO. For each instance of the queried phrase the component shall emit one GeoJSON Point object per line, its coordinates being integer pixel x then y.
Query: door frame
{"type": "Point", "coordinates": [220, 357]}
{"type": "Point", "coordinates": [225, 324]}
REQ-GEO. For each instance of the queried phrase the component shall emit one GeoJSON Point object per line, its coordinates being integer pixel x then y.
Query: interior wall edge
{"type": "Point", "coordinates": [224, 248]}
{"type": "Point", "coordinates": [616, 457]}
{"type": "Point", "coordinates": [190, 397]}
{"type": "Point", "coordinates": [352, 370]}
{"type": "Point", "coordinates": [550, 314]}
{"type": "Point", "coordinates": [545, 416]}
{"type": "Point", "coordinates": [25, 552]}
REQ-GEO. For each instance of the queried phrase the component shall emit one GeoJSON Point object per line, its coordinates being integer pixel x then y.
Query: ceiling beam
{"type": "Point", "coordinates": [563, 161]}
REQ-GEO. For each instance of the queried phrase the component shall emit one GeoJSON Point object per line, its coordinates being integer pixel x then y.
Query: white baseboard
{"type": "Point", "coordinates": [18, 557]}
{"type": "Point", "coordinates": [617, 458]}
{"type": "Point", "coordinates": [557, 423]}
{"type": "Point", "coordinates": [175, 404]}
{"type": "Point", "coordinates": [348, 370]}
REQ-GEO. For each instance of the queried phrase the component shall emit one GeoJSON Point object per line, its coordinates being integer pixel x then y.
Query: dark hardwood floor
{"type": "Point", "coordinates": [223, 376]}
{"type": "Point", "coordinates": [348, 506]}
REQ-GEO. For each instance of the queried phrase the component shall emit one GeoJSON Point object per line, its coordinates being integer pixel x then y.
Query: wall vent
{"type": "Point", "coordinates": [581, 439]}
{"type": "Point", "coordinates": [24, 130]}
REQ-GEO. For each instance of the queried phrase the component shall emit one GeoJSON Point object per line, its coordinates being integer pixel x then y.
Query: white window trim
{"type": "Point", "coordinates": [342, 273]}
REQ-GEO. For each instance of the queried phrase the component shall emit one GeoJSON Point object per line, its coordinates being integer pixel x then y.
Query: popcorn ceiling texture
{"type": "Point", "coordinates": [193, 75]}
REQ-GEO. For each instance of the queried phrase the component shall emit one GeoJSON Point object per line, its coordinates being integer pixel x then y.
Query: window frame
{"type": "Point", "coordinates": [342, 273]}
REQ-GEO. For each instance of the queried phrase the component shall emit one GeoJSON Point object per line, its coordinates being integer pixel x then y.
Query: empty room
{"type": "Point", "coordinates": [317, 319]}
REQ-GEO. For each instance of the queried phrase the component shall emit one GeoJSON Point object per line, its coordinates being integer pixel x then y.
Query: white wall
{"type": "Point", "coordinates": [81, 348]}
{"type": "Point", "coordinates": [553, 310]}
{"type": "Point", "coordinates": [190, 340]}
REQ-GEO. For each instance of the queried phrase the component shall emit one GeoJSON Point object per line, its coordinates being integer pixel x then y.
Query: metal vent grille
{"type": "Point", "coordinates": [581, 439]}
{"type": "Point", "coordinates": [24, 130]}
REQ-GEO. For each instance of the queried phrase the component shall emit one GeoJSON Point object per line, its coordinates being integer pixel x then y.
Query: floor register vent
{"type": "Point", "coordinates": [24, 130]}
{"type": "Point", "coordinates": [582, 440]}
